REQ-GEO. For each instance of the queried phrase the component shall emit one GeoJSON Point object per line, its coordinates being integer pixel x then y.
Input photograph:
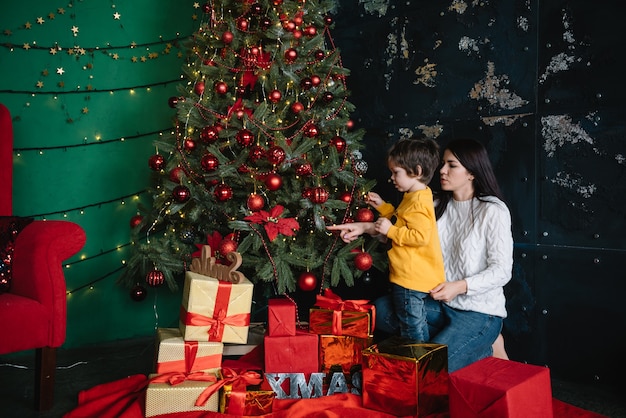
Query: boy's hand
{"type": "Point", "coordinates": [373, 199]}
{"type": "Point", "coordinates": [382, 226]}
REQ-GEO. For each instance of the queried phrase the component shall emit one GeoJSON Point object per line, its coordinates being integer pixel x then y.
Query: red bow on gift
{"type": "Point", "coordinates": [238, 382]}
{"type": "Point", "coordinates": [332, 301]}
{"type": "Point", "coordinates": [175, 378]}
{"type": "Point", "coordinates": [273, 224]}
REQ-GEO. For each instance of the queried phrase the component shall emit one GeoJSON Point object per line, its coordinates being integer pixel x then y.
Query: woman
{"type": "Point", "coordinates": [474, 225]}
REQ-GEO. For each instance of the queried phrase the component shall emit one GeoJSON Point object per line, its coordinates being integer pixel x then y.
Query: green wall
{"type": "Point", "coordinates": [87, 106]}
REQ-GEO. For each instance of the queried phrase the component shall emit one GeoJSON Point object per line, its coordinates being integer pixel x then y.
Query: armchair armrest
{"type": "Point", "coordinates": [40, 250]}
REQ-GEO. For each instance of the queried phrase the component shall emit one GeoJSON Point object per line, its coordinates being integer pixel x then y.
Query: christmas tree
{"type": "Point", "coordinates": [263, 155]}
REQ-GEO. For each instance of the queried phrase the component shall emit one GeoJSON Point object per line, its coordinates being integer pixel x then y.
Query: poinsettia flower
{"type": "Point", "coordinates": [273, 223]}
{"type": "Point", "coordinates": [212, 241]}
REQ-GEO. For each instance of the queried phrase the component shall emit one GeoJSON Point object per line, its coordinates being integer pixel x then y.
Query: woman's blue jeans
{"type": "Point", "coordinates": [469, 335]}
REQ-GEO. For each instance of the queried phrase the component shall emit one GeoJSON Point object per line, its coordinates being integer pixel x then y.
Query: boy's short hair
{"type": "Point", "coordinates": [413, 152]}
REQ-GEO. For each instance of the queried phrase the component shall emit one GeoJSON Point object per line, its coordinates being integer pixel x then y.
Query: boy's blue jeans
{"type": "Point", "coordinates": [410, 312]}
{"type": "Point", "coordinates": [469, 335]}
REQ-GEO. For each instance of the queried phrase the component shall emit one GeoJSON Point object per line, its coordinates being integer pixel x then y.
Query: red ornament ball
{"type": "Point", "coordinates": [297, 107]}
{"type": "Point", "coordinates": [255, 202]}
{"type": "Point", "coordinates": [291, 55]}
{"type": "Point", "coordinates": [242, 24]}
{"type": "Point", "coordinates": [181, 194]}
{"type": "Point", "coordinates": [364, 215]}
{"type": "Point", "coordinates": [209, 134]}
{"type": "Point", "coordinates": [311, 131]}
{"type": "Point", "coordinates": [273, 181]}
{"type": "Point", "coordinates": [318, 195]}
{"type": "Point", "coordinates": [256, 153]}
{"type": "Point", "coordinates": [135, 221]}
{"type": "Point", "coordinates": [275, 96]}
{"type": "Point", "coordinates": [276, 155]}
{"type": "Point", "coordinates": [173, 101]}
{"type": "Point", "coordinates": [316, 80]}
{"type": "Point", "coordinates": [306, 83]}
{"type": "Point", "coordinates": [265, 22]}
{"type": "Point", "coordinates": [176, 174]}
{"type": "Point", "coordinates": [220, 87]}
{"type": "Point", "coordinates": [189, 144]}
{"type": "Point", "coordinates": [199, 88]}
{"type": "Point", "coordinates": [223, 192]}
{"type": "Point", "coordinates": [307, 281]}
{"type": "Point", "coordinates": [328, 20]}
{"type": "Point", "coordinates": [310, 31]}
{"type": "Point", "coordinates": [244, 137]}
{"type": "Point", "coordinates": [256, 8]}
{"type": "Point", "coordinates": [346, 197]}
{"type": "Point", "coordinates": [363, 261]}
{"type": "Point", "coordinates": [138, 293]}
{"type": "Point", "coordinates": [226, 246]}
{"type": "Point", "coordinates": [209, 163]}
{"type": "Point", "coordinates": [156, 162]}
{"type": "Point", "coordinates": [304, 169]}
{"type": "Point", "coordinates": [319, 55]}
{"type": "Point", "coordinates": [155, 278]}
{"type": "Point", "coordinates": [227, 37]}
{"type": "Point", "coordinates": [339, 143]}
{"type": "Point", "coordinates": [206, 7]}
{"type": "Point", "coordinates": [328, 96]}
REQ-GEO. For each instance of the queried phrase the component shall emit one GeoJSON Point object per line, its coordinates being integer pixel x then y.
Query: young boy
{"type": "Point", "coordinates": [415, 259]}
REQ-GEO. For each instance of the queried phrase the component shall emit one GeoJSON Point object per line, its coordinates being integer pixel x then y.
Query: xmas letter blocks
{"type": "Point", "coordinates": [405, 378]}
{"type": "Point", "coordinates": [493, 387]}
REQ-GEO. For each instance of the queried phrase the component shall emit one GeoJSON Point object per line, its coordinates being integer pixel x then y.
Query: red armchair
{"type": "Point", "coordinates": [33, 311]}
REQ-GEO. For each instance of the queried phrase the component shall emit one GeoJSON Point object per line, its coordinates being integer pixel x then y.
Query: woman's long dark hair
{"type": "Point", "coordinates": [473, 156]}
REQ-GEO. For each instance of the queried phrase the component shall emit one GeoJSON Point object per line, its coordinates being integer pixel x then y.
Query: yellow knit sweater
{"type": "Point", "coordinates": [415, 260]}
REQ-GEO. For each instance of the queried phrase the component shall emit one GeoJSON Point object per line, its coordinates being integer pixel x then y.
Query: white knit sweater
{"type": "Point", "coordinates": [477, 246]}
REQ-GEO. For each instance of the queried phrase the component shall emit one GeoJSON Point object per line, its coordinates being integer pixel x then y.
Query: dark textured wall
{"type": "Point", "coordinates": [541, 85]}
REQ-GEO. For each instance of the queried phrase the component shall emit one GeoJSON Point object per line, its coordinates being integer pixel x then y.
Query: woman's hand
{"type": "Point", "coordinates": [446, 291]}
{"type": "Point", "coordinates": [351, 231]}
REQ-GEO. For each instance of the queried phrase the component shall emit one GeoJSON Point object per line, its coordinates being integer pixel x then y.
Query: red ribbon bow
{"type": "Point", "coordinates": [332, 301]}
{"type": "Point", "coordinates": [175, 378]}
{"type": "Point", "coordinates": [238, 382]}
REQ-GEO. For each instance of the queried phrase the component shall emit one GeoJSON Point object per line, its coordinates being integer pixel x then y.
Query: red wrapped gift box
{"type": "Point", "coordinates": [292, 354]}
{"type": "Point", "coordinates": [494, 387]}
{"type": "Point", "coordinates": [405, 378]}
{"type": "Point", "coordinates": [334, 316]}
{"type": "Point", "coordinates": [281, 317]}
{"type": "Point", "coordinates": [341, 350]}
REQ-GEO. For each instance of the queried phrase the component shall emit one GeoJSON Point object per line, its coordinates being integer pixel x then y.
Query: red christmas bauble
{"type": "Point", "coordinates": [256, 8]}
{"type": "Point", "coordinates": [273, 181]}
{"type": "Point", "coordinates": [319, 55]}
{"type": "Point", "coordinates": [275, 155]}
{"type": "Point", "coordinates": [135, 221]}
{"type": "Point", "coordinates": [176, 174]}
{"type": "Point", "coordinates": [306, 83]}
{"type": "Point", "coordinates": [242, 24]}
{"type": "Point", "coordinates": [311, 131]}
{"type": "Point", "coordinates": [223, 192]}
{"type": "Point", "coordinates": [363, 261]}
{"type": "Point", "coordinates": [173, 101]}
{"type": "Point", "coordinates": [181, 194]}
{"type": "Point", "coordinates": [206, 8]}
{"type": "Point", "coordinates": [364, 215]}
{"type": "Point", "coordinates": [346, 197]}
{"type": "Point", "coordinates": [243, 169]}
{"type": "Point", "coordinates": [328, 20]}
{"type": "Point", "coordinates": [306, 193]}
{"type": "Point", "coordinates": [199, 88]}
{"type": "Point", "coordinates": [209, 163]}
{"type": "Point", "coordinates": [318, 195]}
{"type": "Point", "coordinates": [289, 26]}
{"type": "Point", "coordinates": [265, 22]}
{"type": "Point", "coordinates": [297, 33]}
{"type": "Point", "coordinates": [220, 87]}
{"type": "Point", "coordinates": [189, 144]}
{"type": "Point", "coordinates": [307, 281]}
{"type": "Point", "coordinates": [349, 124]}
{"type": "Point", "coordinates": [304, 169]}
{"type": "Point", "coordinates": [155, 278]}
{"type": "Point", "coordinates": [277, 2]}
{"type": "Point", "coordinates": [291, 55]}
{"type": "Point", "coordinates": [156, 162]}
{"type": "Point", "coordinates": [256, 153]}
{"type": "Point", "coordinates": [297, 107]}
{"type": "Point", "coordinates": [316, 80]}
{"type": "Point", "coordinates": [227, 37]}
{"type": "Point", "coordinates": [226, 246]}
{"type": "Point", "coordinates": [328, 96]}
{"type": "Point", "coordinates": [255, 202]}
{"type": "Point", "coordinates": [275, 96]}
{"type": "Point", "coordinates": [138, 293]}
{"type": "Point", "coordinates": [209, 134]}
{"type": "Point", "coordinates": [339, 143]}
{"type": "Point", "coordinates": [310, 31]}
{"type": "Point", "coordinates": [244, 137]}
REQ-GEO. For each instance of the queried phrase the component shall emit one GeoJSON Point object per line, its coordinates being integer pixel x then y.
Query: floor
{"type": "Point", "coordinates": [82, 368]}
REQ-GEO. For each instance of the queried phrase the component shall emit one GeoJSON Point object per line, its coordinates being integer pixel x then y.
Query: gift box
{"type": "Point", "coordinates": [174, 354]}
{"type": "Point", "coordinates": [334, 316]}
{"type": "Point", "coordinates": [215, 310]}
{"type": "Point", "coordinates": [241, 394]}
{"type": "Point", "coordinates": [342, 351]}
{"type": "Point", "coordinates": [405, 378]}
{"type": "Point", "coordinates": [281, 317]}
{"type": "Point", "coordinates": [179, 392]}
{"type": "Point", "coordinates": [289, 354]}
{"type": "Point", "coordinates": [493, 387]}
